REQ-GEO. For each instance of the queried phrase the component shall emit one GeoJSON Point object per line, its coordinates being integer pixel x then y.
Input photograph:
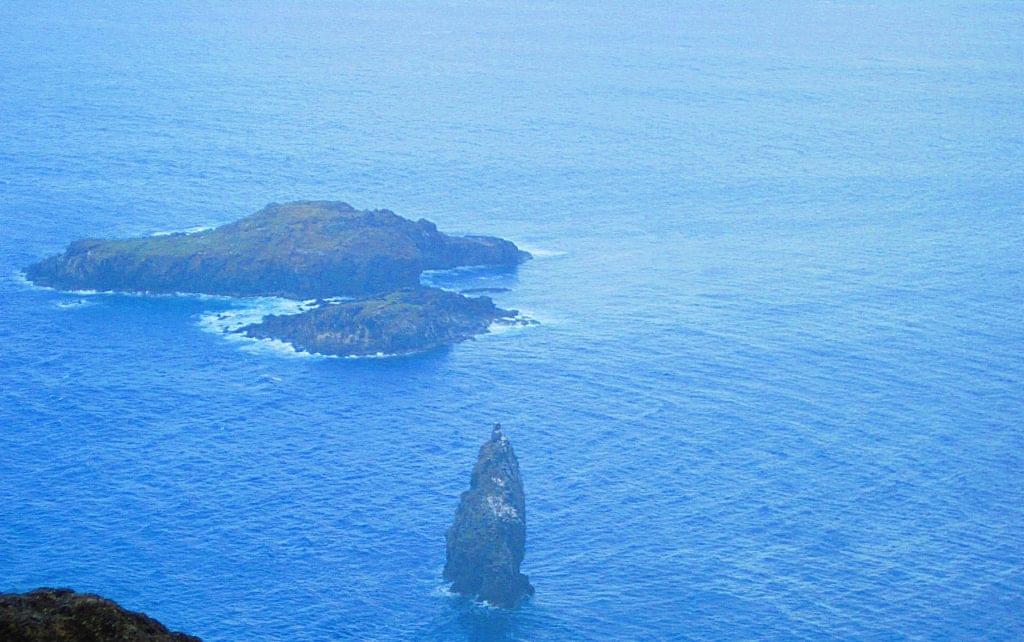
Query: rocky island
{"type": "Point", "coordinates": [308, 250]}
{"type": "Point", "coordinates": [62, 615]}
{"type": "Point", "coordinates": [487, 540]}
{"type": "Point", "coordinates": [401, 322]}
{"type": "Point", "coordinates": [299, 250]}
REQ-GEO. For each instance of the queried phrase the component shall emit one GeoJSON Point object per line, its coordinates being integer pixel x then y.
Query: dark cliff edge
{"type": "Point", "coordinates": [62, 615]}
{"type": "Point", "coordinates": [487, 540]}
{"type": "Point", "coordinates": [302, 250]}
{"type": "Point", "coordinates": [401, 322]}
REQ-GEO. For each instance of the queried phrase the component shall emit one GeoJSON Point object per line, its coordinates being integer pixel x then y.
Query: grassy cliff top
{"type": "Point", "coordinates": [303, 249]}
{"type": "Point", "coordinates": [304, 227]}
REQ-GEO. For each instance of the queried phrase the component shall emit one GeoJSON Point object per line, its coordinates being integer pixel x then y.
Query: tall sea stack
{"type": "Point", "coordinates": [487, 540]}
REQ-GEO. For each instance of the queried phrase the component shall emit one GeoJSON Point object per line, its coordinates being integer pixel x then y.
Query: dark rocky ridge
{"type": "Point", "coordinates": [405, 321]}
{"type": "Point", "coordinates": [303, 250]}
{"type": "Point", "coordinates": [487, 540]}
{"type": "Point", "coordinates": [62, 615]}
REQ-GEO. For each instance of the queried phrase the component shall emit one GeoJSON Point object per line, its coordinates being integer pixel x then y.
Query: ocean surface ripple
{"type": "Point", "coordinates": [777, 390]}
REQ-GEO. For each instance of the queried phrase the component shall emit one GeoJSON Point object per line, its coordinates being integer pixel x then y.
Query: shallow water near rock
{"type": "Point", "coordinates": [776, 390]}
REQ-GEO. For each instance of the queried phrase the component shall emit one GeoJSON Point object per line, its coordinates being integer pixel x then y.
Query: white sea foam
{"type": "Point", "coordinates": [515, 324]}
{"type": "Point", "coordinates": [186, 231]}
{"type": "Point", "coordinates": [429, 277]}
{"type": "Point", "coordinates": [444, 590]}
{"type": "Point", "coordinates": [19, 278]}
{"type": "Point", "coordinates": [248, 312]}
{"type": "Point", "coordinates": [429, 282]}
{"type": "Point", "coordinates": [199, 296]}
{"type": "Point", "coordinates": [77, 303]}
{"type": "Point", "coordinates": [459, 278]}
{"type": "Point", "coordinates": [541, 253]}
{"type": "Point", "coordinates": [227, 323]}
{"type": "Point", "coordinates": [278, 347]}
{"type": "Point", "coordinates": [275, 347]}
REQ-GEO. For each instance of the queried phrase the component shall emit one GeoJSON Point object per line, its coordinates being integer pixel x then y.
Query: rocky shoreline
{"type": "Point", "coordinates": [401, 322]}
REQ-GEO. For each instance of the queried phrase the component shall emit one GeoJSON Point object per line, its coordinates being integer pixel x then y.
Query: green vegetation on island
{"type": "Point", "coordinates": [301, 250]}
{"type": "Point", "coordinates": [308, 250]}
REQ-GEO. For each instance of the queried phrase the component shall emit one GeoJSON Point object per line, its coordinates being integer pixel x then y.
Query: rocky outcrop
{"type": "Point", "coordinates": [302, 250]}
{"type": "Point", "coordinates": [487, 540]}
{"type": "Point", "coordinates": [402, 322]}
{"type": "Point", "coordinates": [62, 615]}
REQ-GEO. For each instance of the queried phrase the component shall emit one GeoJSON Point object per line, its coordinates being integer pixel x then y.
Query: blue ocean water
{"type": "Point", "coordinates": [777, 391]}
